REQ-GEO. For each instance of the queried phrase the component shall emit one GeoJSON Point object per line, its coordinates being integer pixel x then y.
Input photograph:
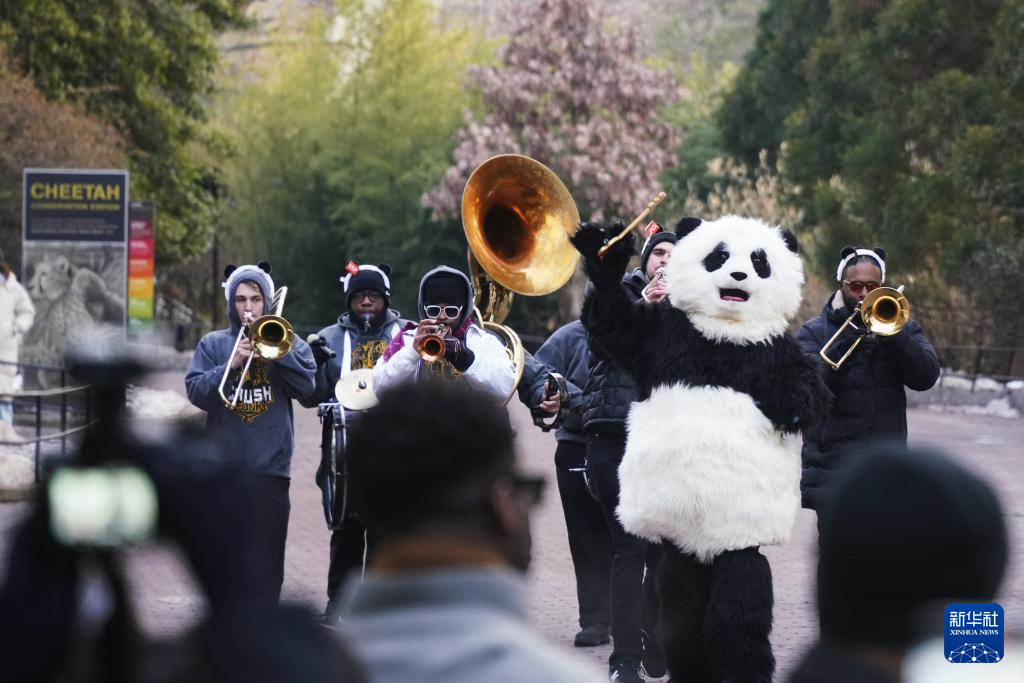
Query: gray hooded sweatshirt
{"type": "Point", "coordinates": [356, 345]}
{"type": "Point", "coordinates": [261, 424]}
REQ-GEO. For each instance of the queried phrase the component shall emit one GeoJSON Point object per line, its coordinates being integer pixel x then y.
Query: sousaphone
{"type": "Point", "coordinates": [518, 217]}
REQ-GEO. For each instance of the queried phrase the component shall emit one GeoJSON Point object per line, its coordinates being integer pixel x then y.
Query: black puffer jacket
{"type": "Point", "coordinates": [870, 399]}
{"type": "Point", "coordinates": [609, 391]}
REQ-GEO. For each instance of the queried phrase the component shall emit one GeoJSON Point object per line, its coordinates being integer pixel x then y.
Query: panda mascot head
{"type": "Point", "coordinates": [738, 279]}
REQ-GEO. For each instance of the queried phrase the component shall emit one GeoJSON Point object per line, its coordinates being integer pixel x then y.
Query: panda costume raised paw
{"type": "Point", "coordinates": [719, 383]}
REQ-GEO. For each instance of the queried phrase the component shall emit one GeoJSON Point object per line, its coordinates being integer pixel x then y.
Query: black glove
{"type": "Point", "coordinates": [320, 355]}
{"type": "Point", "coordinates": [321, 352]}
{"type": "Point", "coordinates": [458, 354]}
{"type": "Point", "coordinates": [588, 240]}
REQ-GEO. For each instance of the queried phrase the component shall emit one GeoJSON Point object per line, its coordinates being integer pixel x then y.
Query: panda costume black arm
{"type": "Point", "coordinates": [791, 392]}
{"type": "Point", "coordinates": [614, 322]}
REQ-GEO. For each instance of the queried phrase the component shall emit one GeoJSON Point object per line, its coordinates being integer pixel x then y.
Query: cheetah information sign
{"type": "Point", "coordinates": [74, 258]}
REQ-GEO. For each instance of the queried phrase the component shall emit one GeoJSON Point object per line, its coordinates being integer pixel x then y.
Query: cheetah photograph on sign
{"type": "Point", "coordinates": [74, 287]}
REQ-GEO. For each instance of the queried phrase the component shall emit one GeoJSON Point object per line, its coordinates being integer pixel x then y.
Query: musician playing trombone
{"type": "Point", "coordinates": [870, 399]}
{"type": "Point", "coordinates": [259, 424]}
{"type": "Point", "coordinates": [446, 342]}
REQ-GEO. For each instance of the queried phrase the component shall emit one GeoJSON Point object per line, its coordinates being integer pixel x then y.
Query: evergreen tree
{"type": "Point", "coordinates": [901, 124]}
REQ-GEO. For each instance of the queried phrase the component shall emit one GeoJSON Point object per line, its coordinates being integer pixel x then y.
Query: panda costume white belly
{"type": "Point", "coordinates": [707, 470]}
{"type": "Point", "coordinates": [719, 383]}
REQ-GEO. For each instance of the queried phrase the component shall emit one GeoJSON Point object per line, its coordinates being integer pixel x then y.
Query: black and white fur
{"type": "Point", "coordinates": [719, 383]}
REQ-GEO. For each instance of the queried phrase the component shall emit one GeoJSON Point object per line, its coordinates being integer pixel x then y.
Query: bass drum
{"type": "Point", "coordinates": [332, 474]}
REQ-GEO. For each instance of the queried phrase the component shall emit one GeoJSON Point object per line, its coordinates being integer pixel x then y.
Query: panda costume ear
{"type": "Point", "coordinates": [790, 239]}
{"type": "Point", "coordinates": [846, 251]}
{"type": "Point", "coordinates": [228, 269]}
{"type": "Point", "coordinates": [880, 252]}
{"type": "Point", "coordinates": [385, 268]}
{"type": "Point", "coordinates": [686, 225]}
{"type": "Point", "coordinates": [265, 266]}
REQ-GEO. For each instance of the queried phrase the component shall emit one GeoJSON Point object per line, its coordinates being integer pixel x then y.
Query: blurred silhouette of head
{"type": "Point", "coordinates": [438, 461]}
{"type": "Point", "coordinates": [907, 531]}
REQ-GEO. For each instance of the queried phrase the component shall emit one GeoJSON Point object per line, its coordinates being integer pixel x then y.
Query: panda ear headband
{"type": "Point", "coordinates": [849, 253]}
{"type": "Point", "coordinates": [259, 273]}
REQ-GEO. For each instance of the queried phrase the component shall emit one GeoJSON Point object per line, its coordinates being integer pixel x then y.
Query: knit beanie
{"type": "Point", "coordinates": [654, 240]}
{"type": "Point", "coordinates": [905, 531]}
{"type": "Point", "coordinates": [359, 278]}
{"type": "Point", "coordinates": [447, 288]}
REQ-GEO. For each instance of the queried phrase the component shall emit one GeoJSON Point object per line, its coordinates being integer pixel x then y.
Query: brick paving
{"type": "Point", "coordinates": [168, 601]}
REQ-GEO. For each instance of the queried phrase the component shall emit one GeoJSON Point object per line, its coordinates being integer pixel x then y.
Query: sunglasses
{"type": "Point", "coordinates": [449, 311]}
{"type": "Point", "coordinates": [857, 286]}
{"type": "Point", "coordinates": [529, 487]}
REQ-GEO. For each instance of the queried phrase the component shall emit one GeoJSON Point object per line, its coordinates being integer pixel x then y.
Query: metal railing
{"type": "Point", "coordinates": [74, 402]}
{"type": "Point", "coordinates": [1000, 363]}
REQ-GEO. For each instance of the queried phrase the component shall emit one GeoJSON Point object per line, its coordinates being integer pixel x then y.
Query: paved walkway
{"type": "Point", "coordinates": [168, 601]}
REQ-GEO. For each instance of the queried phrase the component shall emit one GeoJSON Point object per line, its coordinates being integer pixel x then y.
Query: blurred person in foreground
{"type": "Point", "coordinates": [905, 534]}
{"type": "Point", "coordinates": [70, 597]}
{"type": "Point", "coordinates": [444, 595]}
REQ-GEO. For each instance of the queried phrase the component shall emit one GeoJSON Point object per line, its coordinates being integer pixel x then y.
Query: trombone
{"type": "Point", "coordinates": [884, 311]}
{"type": "Point", "coordinates": [272, 338]}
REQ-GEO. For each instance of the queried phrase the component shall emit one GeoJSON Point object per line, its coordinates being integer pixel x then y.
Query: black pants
{"type": "Point", "coordinates": [268, 512]}
{"type": "Point", "coordinates": [348, 545]}
{"type": "Point", "coordinates": [590, 543]}
{"type": "Point", "coordinates": [716, 618]}
{"type": "Point", "coordinates": [629, 553]}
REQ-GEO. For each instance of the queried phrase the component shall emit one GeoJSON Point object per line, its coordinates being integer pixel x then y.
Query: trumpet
{"type": "Point", "coordinates": [659, 276]}
{"type": "Point", "coordinates": [272, 338]}
{"type": "Point", "coordinates": [431, 347]}
{"type": "Point", "coordinates": [884, 311]}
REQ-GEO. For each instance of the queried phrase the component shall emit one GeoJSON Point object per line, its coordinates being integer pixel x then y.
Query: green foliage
{"type": "Point", "coordinates": [145, 68]}
{"type": "Point", "coordinates": [337, 145]}
{"type": "Point", "coordinates": [902, 127]}
{"type": "Point", "coordinates": [753, 115]}
{"type": "Point", "coordinates": [37, 132]}
{"type": "Point", "coordinates": [695, 177]}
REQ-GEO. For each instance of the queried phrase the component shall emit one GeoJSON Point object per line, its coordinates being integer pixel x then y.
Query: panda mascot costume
{"type": "Point", "coordinates": [719, 382]}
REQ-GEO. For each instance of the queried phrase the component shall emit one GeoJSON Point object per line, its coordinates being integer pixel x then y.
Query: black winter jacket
{"type": "Point", "coordinates": [870, 399]}
{"type": "Point", "coordinates": [564, 352]}
{"type": "Point", "coordinates": [609, 391]}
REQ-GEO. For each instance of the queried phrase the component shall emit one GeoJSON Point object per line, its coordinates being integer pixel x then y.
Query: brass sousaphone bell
{"type": "Point", "coordinates": [518, 217]}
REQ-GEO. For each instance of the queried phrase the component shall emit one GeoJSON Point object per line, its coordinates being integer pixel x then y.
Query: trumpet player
{"type": "Point", "coordinates": [654, 256]}
{"type": "Point", "coordinates": [259, 425]}
{"type": "Point", "coordinates": [446, 342]}
{"type": "Point", "coordinates": [869, 387]}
